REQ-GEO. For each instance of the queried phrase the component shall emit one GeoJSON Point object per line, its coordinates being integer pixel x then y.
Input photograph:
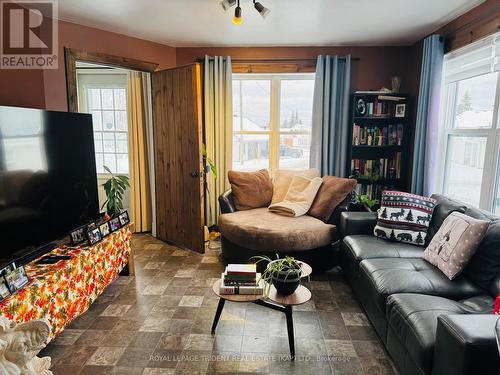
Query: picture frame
{"type": "Point", "coordinates": [400, 110]}
{"type": "Point", "coordinates": [79, 235]}
{"type": "Point", "coordinates": [94, 236]}
{"type": "Point", "coordinates": [4, 289]}
{"type": "Point", "coordinates": [16, 279]}
{"type": "Point", "coordinates": [8, 268]}
{"type": "Point", "coordinates": [124, 218]}
{"type": "Point", "coordinates": [115, 224]}
{"type": "Point", "coordinates": [105, 229]}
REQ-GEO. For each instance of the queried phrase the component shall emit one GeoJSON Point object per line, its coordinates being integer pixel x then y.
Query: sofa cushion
{"type": "Point", "coordinates": [331, 193]}
{"type": "Point", "coordinates": [251, 189]}
{"type": "Point", "coordinates": [387, 276]}
{"type": "Point", "coordinates": [404, 217]}
{"type": "Point", "coordinates": [364, 246]}
{"type": "Point", "coordinates": [455, 243]}
{"type": "Point", "coordinates": [484, 266]}
{"type": "Point", "coordinates": [444, 206]}
{"type": "Point", "coordinates": [412, 319]}
{"type": "Point", "coordinates": [259, 229]}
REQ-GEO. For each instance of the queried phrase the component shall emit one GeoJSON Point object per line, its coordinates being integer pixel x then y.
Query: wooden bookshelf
{"type": "Point", "coordinates": [379, 145]}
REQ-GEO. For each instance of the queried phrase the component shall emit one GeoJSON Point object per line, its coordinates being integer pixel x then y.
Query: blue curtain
{"type": "Point", "coordinates": [427, 122]}
{"type": "Point", "coordinates": [330, 127]}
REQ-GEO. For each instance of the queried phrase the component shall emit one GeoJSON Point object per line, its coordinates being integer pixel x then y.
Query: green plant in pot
{"type": "Point", "coordinates": [285, 274]}
{"type": "Point", "coordinates": [114, 188]}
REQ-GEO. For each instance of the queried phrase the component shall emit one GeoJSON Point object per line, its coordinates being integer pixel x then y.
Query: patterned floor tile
{"type": "Point", "coordinates": [159, 322]}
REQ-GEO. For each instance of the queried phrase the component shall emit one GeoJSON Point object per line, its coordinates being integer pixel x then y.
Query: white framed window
{"type": "Point", "coordinates": [469, 138]}
{"type": "Point", "coordinates": [104, 95]}
{"type": "Point", "coordinates": [272, 117]}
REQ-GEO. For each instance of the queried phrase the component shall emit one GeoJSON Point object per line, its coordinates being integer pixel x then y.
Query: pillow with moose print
{"type": "Point", "coordinates": [404, 217]}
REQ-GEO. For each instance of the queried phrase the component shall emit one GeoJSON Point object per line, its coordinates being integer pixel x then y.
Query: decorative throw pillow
{"type": "Point", "coordinates": [444, 206]}
{"type": "Point", "coordinates": [496, 306]}
{"type": "Point", "coordinates": [455, 243]}
{"type": "Point", "coordinates": [331, 193]}
{"type": "Point", "coordinates": [251, 189]}
{"type": "Point", "coordinates": [404, 217]}
{"type": "Point", "coordinates": [283, 178]}
{"type": "Point", "coordinates": [298, 198]}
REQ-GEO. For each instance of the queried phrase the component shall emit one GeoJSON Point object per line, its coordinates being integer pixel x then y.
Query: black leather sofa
{"type": "Point", "coordinates": [428, 324]}
{"type": "Point", "coordinates": [320, 258]}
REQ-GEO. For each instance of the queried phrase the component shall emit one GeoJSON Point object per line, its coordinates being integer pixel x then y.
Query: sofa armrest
{"type": "Point", "coordinates": [357, 223]}
{"type": "Point", "coordinates": [466, 344]}
{"type": "Point", "coordinates": [226, 203]}
{"type": "Point", "coordinates": [342, 207]}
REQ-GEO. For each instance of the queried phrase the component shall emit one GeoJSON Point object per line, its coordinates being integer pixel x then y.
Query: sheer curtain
{"type": "Point", "coordinates": [218, 116]}
{"type": "Point", "coordinates": [330, 119]}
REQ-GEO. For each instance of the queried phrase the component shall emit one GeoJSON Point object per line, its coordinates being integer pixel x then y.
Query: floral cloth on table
{"type": "Point", "coordinates": [62, 291]}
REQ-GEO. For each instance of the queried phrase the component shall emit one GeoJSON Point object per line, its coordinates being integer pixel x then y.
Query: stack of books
{"type": "Point", "coordinates": [241, 279]}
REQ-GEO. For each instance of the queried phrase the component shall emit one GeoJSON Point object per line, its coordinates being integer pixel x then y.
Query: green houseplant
{"type": "Point", "coordinates": [285, 274]}
{"type": "Point", "coordinates": [114, 188]}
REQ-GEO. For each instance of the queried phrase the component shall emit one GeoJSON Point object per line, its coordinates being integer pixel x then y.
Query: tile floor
{"type": "Point", "coordinates": [159, 322]}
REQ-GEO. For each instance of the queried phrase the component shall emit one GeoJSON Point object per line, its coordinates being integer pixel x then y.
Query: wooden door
{"type": "Point", "coordinates": [178, 160]}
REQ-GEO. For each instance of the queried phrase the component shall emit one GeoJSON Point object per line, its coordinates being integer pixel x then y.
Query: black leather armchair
{"type": "Point", "coordinates": [321, 259]}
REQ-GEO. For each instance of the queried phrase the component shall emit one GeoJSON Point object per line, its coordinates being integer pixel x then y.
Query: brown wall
{"type": "Point", "coordinates": [374, 69]}
{"type": "Point", "coordinates": [479, 22]}
{"type": "Point", "coordinates": [47, 88]}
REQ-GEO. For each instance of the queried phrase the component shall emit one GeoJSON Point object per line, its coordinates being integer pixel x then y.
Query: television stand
{"type": "Point", "coordinates": [63, 291]}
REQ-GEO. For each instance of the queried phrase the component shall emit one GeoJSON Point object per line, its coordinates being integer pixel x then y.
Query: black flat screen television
{"type": "Point", "coordinates": [48, 180]}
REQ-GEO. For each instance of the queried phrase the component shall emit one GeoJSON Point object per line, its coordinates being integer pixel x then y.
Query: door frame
{"type": "Point", "coordinates": [71, 56]}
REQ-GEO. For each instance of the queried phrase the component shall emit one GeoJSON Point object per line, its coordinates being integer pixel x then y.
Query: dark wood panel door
{"type": "Point", "coordinates": [178, 160]}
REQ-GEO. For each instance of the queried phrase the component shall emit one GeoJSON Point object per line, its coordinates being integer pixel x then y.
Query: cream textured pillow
{"type": "Point", "coordinates": [283, 178]}
{"type": "Point", "coordinates": [455, 243]}
{"type": "Point", "coordinates": [299, 197]}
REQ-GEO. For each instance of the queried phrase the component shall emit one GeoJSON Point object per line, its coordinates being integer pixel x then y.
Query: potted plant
{"type": "Point", "coordinates": [114, 188]}
{"type": "Point", "coordinates": [364, 199]}
{"type": "Point", "coordinates": [209, 167]}
{"type": "Point", "coordinates": [285, 274]}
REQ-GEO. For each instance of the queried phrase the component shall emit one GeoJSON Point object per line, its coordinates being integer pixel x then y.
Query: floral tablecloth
{"type": "Point", "coordinates": [61, 292]}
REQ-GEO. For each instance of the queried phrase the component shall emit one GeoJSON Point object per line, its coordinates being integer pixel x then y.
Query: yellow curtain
{"type": "Point", "coordinates": [218, 111]}
{"type": "Point", "coordinates": [138, 117]}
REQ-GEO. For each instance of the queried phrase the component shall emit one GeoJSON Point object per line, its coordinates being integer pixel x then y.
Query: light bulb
{"type": "Point", "coordinates": [237, 19]}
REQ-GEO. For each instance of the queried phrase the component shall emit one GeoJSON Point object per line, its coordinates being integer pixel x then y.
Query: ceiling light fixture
{"type": "Point", "coordinates": [237, 20]}
{"type": "Point", "coordinates": [263, 11]}
{"type": "Point", "coordinates": [227, 4]}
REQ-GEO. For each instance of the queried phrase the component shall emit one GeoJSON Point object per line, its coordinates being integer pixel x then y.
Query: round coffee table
{"type": "Point", "coordinates": [273, 301]}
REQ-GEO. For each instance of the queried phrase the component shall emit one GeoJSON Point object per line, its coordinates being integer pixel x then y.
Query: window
{"type": "Point", "coordinates": [469, 124]}
{"type": "Point", "coordinates": [105, 97]}
{"type": "Point", "coordinates": [272, 117]}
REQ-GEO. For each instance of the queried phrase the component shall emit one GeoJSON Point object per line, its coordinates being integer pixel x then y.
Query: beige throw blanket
{"type": "Point", "coordinates": [299, 197]}
{"type": "Point", "coordinates": [283, 178]}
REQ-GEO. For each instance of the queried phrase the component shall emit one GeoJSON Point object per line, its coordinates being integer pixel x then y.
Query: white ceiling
{"type": "Point", "coordinates": [290, 23]}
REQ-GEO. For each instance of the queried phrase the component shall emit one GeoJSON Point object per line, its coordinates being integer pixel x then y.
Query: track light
{"type": "Point", "coordinates": [226, 4]}
{"type": "Point", "coordinates": [263, 11]}
{"type": "Point", "coordinates": [237, 20]}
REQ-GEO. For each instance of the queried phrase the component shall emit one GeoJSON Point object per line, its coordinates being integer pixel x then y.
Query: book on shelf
{"type": "Point", "coordinates": [390, 135]}
{"type": "Point", "coordinates": [377, 168]}
{"type": "Point", "coordinates": [255, 289]}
